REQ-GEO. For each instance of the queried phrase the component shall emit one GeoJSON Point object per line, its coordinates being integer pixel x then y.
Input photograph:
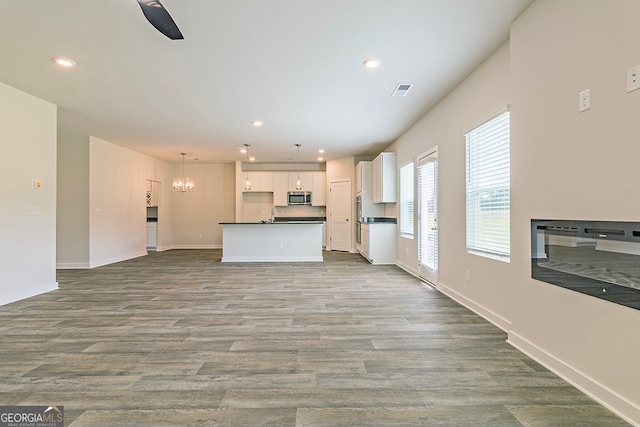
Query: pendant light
{"type": "Point", "coordinates": [182, 184]}
{"type": "Point", "coordinates": [247, 182]}
{"type": "Point", "coordinates": [298, 181]}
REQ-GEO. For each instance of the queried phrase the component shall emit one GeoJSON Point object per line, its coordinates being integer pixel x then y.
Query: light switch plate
{"type": "Point", "coordinates": [633, 78]}
{"type": "Point", "coordinates": [584, 100]}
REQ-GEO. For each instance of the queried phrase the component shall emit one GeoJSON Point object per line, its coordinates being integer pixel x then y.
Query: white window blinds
{"type": "Point", "coordinates": [428, 223]}
{"type": "Point", "coordinates": [406, 199]}
{"type": "Point", "coordinates": [488, 187]}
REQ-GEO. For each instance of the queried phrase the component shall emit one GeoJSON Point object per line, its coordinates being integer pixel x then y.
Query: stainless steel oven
{"type": "Point", "coordinates": [358, 218]}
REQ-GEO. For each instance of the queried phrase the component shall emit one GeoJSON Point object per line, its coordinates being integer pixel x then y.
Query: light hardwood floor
{"type": "Point", "coordinates": [178, 339]}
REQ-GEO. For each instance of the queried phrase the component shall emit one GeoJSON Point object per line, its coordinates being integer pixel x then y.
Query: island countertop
{"type": "Point", "coordinates": [291, 241]}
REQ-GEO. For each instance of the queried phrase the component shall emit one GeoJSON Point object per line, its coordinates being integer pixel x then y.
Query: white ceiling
{"type": "Point", "coordinates": [296, 65]}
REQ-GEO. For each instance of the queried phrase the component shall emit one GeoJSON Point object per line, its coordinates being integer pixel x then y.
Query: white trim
{"type": "Point", "coordinates": [420, 158]}
{"type": "Point", "coordinates": [192, 247]}
{"type": "Point", "coordinates": [608, 398]}
{"type": "Point", "coordinates": [72, 265]}
{"type": "Point", "coordinates": [28, 293]}
{"type": "Point", "coordinates": [411, 270]}
{"type": "Point", "coordinates": [124, 257]}
{"type": "Point", "coordinates": [480, 310]}
{"type": "Point", "coordinates": [484, 120]}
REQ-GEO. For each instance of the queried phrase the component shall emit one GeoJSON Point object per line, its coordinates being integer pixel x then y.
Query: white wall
{"type": "Point", "coordinates": [481, 94]}
{"type": "Point", "coordinates": [109, 200]}
{"type": "Point", "coordinates": [117, 211]}
{"type": "Point", "coordinates": [28, 141]}
{"type": "Point", "coordinates": [196, 214]}
{"type": "Point", "coordinates": [72, 224]}
{"type": "Point", "coordinates": [571, 165]}
{"type": "Point", "coordinates": [564, 164]}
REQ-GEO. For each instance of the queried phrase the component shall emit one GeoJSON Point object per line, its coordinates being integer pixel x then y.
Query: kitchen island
{"type": "Point", "coordinates": [292, 241]}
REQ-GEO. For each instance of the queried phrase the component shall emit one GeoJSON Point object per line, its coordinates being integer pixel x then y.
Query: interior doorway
{"type": "Point", "coordinates": [340, 215]}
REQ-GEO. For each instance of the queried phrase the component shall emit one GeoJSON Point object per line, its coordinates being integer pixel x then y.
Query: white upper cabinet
{"type": "Point", "coordinates": [305, 177]}
{"type": "Point", "coordinates": [385, 178]}
{"type": "Point", "coordinates": [318, 189]}
{"type": "Point", "coordinates": [260, 181]}
{"type": "Point", "coordinates": [280, 188]}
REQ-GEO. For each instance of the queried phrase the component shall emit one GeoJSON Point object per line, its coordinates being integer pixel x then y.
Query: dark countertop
{"type": "Point", "coordinates": [299, 218]}
{"type": "Point", "coordinates": [377, 219]}
{"type": "Point", "coordinates": [270, 223]}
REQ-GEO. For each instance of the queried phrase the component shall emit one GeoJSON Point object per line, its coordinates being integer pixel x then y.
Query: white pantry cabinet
{"type": "Point", "coordinates": [280, 188]}
{"type": "Point", "coordinates": [385, 178]}
{"type": "Point", "coordinates": [318, 189]}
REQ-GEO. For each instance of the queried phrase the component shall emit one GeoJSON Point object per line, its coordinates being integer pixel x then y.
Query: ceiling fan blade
{"type": "Point", "coordinates": [158, 16]}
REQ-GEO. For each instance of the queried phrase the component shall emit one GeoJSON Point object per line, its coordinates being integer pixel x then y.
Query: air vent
{"type": "Point", "coordinates": [401, 90]}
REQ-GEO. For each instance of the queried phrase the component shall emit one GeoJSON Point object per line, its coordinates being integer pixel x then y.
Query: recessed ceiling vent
{"type": "Point", "coordinates": [401, 90]}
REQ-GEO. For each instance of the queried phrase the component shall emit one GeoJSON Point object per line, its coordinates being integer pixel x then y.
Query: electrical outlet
{"type": "Point", "coordinates": [584, 99]}
{"type": "Point", "coordinates": [280, 245]}
{"type": "Point", "coordinates": [633, 78]}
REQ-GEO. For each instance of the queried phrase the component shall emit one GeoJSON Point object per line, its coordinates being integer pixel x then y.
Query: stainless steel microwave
{"type": "Point", "coordinates": [299, 197]}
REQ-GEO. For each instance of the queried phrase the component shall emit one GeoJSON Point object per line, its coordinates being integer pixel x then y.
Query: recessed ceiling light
{"type": "Point", "coordinates": [372, 63]}
{"type": "Point", "coordinates": [243, 150]}
{"type": "Point", "coordinates": [65, 62]}
{"type": "Point", "coordinates": [321, 151]}
{"type": "Point", "coordinates": [256, 123]}
{"type": "Point", "coordinates": [320, 159]}
{"type": "Point", "coordinates": [252, 159]}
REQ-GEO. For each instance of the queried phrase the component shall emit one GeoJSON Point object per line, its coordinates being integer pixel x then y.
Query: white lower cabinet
{"type": "Point", "coordinates": [378, 242]}
{"type": "Point", "coordinates": [152, 235]}
{"type": "Point", "coordinates": [364, 241]}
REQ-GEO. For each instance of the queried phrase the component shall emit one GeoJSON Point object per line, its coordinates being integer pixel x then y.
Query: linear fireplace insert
{"type": "Point", "coordinates": [597, 258]}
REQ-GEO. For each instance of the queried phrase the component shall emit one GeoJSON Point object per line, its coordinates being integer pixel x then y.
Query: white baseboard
{"type": "Point", "coordinates": [123, 257]}
{"type": "Point", "coordinates": [195, 247]}
{"type": "Point", "coordinates": [592, 388]}
{"type": "Point", "coordinates": [606, 397]}
{"type": "Point", "coordinates": [71, 265]}
{"type": "Point", "coordinates": [480, 310]}
{"type": "Point", "coordinates": [408, 269]}
{"type": "Point", "coordinates": [27, 293]}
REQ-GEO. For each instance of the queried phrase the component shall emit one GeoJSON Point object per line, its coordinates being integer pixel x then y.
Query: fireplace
{"type": "Point", "coordinates": [597, 258]}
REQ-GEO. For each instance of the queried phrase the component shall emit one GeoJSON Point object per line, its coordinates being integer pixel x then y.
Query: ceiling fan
{"type": "Point", "coordinates": [158, 16]}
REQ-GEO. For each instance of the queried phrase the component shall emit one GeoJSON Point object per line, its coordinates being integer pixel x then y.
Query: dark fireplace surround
{"type": "Point", "coordinates": [596, 258]}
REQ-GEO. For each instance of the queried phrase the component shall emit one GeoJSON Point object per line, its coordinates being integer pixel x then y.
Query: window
{"type": "Point", "coordinates": [488, 189]}
{"type": "Point", "coordinates": [406, 200]}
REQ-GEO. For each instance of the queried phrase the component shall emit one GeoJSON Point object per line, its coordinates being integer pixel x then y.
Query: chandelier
{"type": "Point", "coordinates": [182, 184]}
